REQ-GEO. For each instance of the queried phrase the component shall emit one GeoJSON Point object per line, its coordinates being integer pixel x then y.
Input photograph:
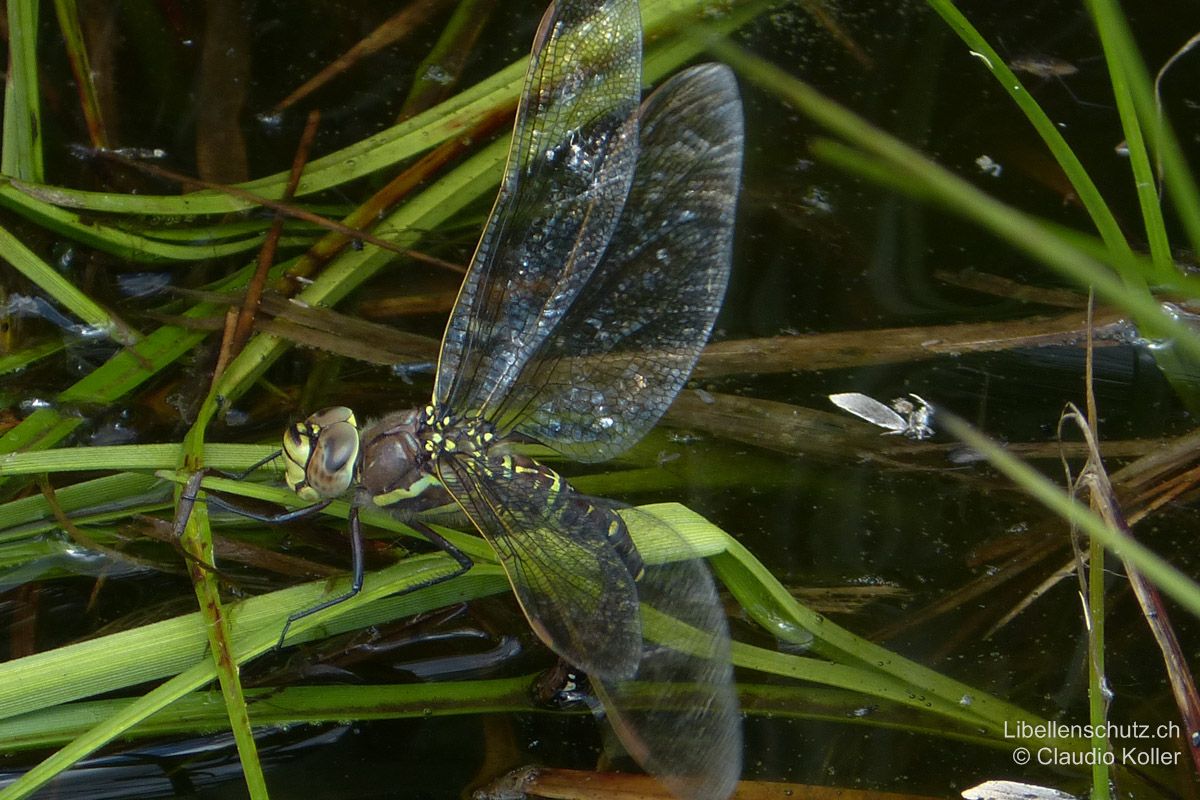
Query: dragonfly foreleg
{"type": "Point", "coordinates": [356, 548]}
{"type": "Point", "coordinates": [356, 581]}
{"type": "Point", "coordinates": [269, 519]}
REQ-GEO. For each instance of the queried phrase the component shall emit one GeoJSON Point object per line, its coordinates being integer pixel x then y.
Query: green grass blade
{"type": "Point", "coordinates": [196, 541]}
{"type": "Point", "coordinates": [1081, 181]}
{"type": "Point", "coordinates": [1122, 54]}
{"type": "Point", "coordinates": [93, 495]}
{"type": "Point", "coordinates": [21, 149]}
{"type": "Point", "coordinates": [119, 375]}
{"type": "Point", "coordinates": [201, 713]}
{"type": "Point", "coordinates": [27, 356]}
{"type": "Point", "coordinates": [130, 457]}
{"type": "Point", "coordinates": [1119, 52]}
{"type": "Point", "coordinates": [36, 203]}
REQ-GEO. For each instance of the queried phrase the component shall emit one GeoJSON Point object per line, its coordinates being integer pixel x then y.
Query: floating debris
{"type": "Point", "coordinates": [902, 417]}
{"type": "Point", "coordinates": [988, 167]}
{"type": "Point", "coordinates": [1043, 66]}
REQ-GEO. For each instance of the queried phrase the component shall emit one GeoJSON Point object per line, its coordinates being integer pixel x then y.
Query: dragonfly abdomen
{"type": "Point", "coordinates": [545, 487]}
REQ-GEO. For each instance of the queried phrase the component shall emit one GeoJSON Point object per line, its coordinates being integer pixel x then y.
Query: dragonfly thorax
{"type": "Point", "coordinates": [396, 467]}
{"type": "Point", "coordinates": [444, 433]}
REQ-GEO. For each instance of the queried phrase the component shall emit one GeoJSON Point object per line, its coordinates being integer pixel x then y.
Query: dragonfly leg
{"type": "Point", "coordinates": [356, 549]}
{"type": "Point", "coordinates": [356, 581]}
{"type": "Point", "coordinates": [269, 519]}
{"type": "Point", "coordinates": [441, 543]}
{"type": "Point", "coordinates": [262, 462]}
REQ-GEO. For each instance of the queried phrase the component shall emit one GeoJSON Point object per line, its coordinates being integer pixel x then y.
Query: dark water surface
{"type": "Point", "coordinates": [816, 252]}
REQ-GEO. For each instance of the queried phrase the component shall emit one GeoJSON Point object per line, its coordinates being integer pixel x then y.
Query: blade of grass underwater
{"type": "Point", "coordinates": [384, 150]}
{"type": "Point", "coordinates": [197, 713]}
{"type": "Point", "coordinates": [1020, 230]}
{"type": "Point", "coordinates": [52, 282]}
{"type": "Point", "coordinates": [442, 68]}
{"type": "Point", "coordinates": [21, 149]}
{"type": "Point", "coordinates": [1157, 569]}
{"type": "Point", "coordinates": [122, 373]}
{"type": "Point", "coordinates": [27, 356]}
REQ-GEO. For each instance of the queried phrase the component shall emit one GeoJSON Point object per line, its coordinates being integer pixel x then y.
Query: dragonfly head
{"type": "Point", "coordinates": [321, 454]}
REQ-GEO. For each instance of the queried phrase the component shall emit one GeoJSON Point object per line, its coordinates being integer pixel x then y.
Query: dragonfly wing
{"type": "Point", "coordinates": [570, 164]}
{"type": "Point", "coordinates": [618, 358]}
{"type": "Point", "coordinates": [680, 718]}
{"type": "Point", "coordinates": [570, 577]}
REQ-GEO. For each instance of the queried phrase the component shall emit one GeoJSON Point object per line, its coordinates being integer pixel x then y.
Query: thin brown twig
{"type": "Point", "coordinates": [266, 255]}
{"type": "Point", "coordinates": [390, 31]}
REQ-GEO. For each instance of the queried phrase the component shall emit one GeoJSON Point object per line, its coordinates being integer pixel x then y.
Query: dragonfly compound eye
{"type": "Point", "coordinates": [321, 454]}
{"type": "Point", "coordinates": [297, 447]}
{"type": "Point", "coordinates": [330, 468]}
{"type": "Point", "coordinates": [328, 416]}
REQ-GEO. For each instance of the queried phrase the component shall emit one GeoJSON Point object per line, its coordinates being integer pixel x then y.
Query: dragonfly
{"type": "Point", "coordinates": [595, 285]}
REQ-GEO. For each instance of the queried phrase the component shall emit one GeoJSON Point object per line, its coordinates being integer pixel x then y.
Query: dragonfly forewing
{"type": "Point", "coordinates": [615, 364]}
{"type": "Point", "coordinates": [569, 169]}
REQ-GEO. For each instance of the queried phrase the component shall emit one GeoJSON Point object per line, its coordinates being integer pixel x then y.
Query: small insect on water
{"type": "Point", "coordinates": [594, 286]}
{"type": "Point", "coordinates": [903, 416]}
